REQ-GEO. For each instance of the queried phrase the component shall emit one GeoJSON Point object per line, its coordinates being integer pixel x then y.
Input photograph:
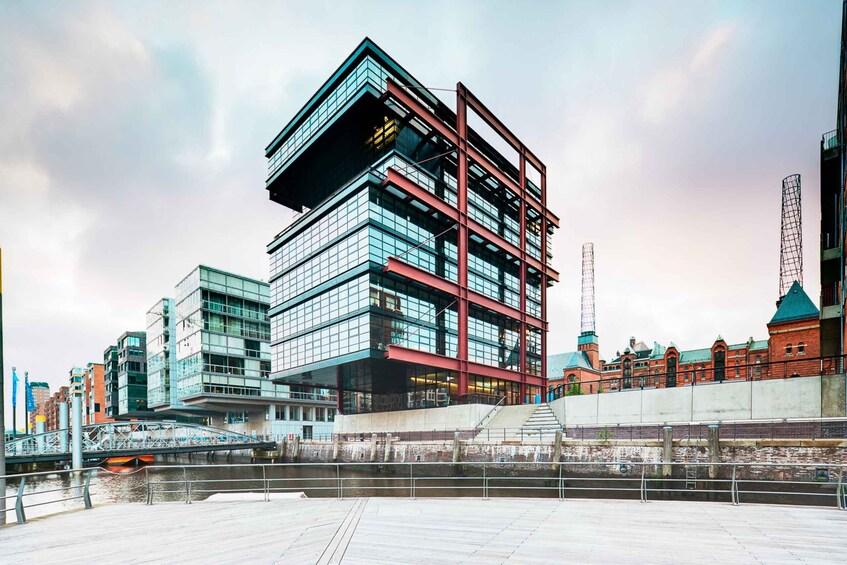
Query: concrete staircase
{"type": "Point", "coordinates": [542, 425]}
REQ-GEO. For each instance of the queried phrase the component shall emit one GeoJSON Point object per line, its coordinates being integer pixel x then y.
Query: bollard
{"type": "Point", "coordinates": [667, 451]}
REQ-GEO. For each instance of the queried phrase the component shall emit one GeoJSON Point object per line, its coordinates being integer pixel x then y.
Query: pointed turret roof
{"type": "Point", "coordinates": [795, 305]}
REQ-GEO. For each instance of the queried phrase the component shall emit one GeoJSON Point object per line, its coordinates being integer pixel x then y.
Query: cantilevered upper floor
{"type": "Point", "coordinates": [354, 119]}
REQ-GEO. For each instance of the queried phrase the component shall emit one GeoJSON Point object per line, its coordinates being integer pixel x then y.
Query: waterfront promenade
{"type": "Point", "coordinates": [430, 530]}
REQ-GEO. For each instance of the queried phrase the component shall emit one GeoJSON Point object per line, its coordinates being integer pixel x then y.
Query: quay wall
{"type": "Point", "coordinates": [382, 449]}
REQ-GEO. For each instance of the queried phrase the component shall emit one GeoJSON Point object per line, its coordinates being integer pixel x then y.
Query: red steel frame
{"type": "Point", "coordinates": [458, 137]}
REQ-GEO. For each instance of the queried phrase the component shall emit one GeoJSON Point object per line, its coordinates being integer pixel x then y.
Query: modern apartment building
{"type": "Point", "coordinates": [125, 378]}
{"type": "Point", "coordinates": [418, 275]}
{"type": "Point", "coordinates": [51, 408]}
{"type": "Point", "coordinates": [833, 328]}
{"type": "Point", "coordinates": [161, 356]}
{"type": "Point", "coordinates": [110, 378]}
{"type": "Point", "coordinates": [223, 359]}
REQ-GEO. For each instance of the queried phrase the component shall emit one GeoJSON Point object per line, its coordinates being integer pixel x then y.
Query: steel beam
{"type": "Point", "coordinates": [425, 115]}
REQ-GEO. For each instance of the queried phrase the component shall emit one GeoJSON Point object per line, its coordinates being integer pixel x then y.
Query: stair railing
{"type": "Point", "coordinates": [489, 413]}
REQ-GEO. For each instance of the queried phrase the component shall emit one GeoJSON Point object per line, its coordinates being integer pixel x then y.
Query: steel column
{"type": "Point", "coordinates": [522, 267]}
{"type": "Point", "coordinates": [76, 433]}
{"type": "Point", "coordinates": [462, 238]}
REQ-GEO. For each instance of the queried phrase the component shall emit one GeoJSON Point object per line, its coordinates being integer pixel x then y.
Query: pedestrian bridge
{"type": "Point", "coordinates": [122, 439]}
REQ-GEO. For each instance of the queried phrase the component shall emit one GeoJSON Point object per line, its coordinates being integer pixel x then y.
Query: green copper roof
{"type": "Point", "coordinates": [559, 363]}
{"type": "Point", "coordinates": [695, 355]}
{"type": "Point", "coordinates": [795, 305]}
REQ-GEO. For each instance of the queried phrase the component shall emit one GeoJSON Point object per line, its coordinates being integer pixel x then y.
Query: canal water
{"type": "Point", "coordinates": [170, 482]}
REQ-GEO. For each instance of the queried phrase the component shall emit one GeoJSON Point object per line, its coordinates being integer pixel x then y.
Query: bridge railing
{"type": "Point", "coordinates": [113, 436]}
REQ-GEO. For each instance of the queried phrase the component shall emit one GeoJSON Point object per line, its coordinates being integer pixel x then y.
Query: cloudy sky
{"type": "Point", "coordinates": [132, 137]}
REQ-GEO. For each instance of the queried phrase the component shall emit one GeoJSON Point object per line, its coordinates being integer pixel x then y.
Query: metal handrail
{"type": "Point", "coordinates": [20, 506]}
{"type": "Point", "coordinates": [488, 414]}
{"type": "Point", "coordinates": [620, 476]}
{"type": "Point", "coordinates": [777, 428]}
{"type": "Point", "coordinates": [483, 483]}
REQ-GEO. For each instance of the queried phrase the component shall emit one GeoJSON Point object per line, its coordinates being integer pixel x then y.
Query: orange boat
{"type": "Point", "coordinates": [130, 460]}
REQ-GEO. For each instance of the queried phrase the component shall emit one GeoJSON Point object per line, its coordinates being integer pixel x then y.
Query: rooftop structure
{"type": "Point", "coordinates": [418, 277]}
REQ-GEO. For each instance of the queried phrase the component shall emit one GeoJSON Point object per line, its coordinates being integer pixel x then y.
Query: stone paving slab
{"type": "Point", "coordinates": [432, 531]}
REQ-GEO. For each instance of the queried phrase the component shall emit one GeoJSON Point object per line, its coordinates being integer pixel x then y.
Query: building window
{"type": "Point", "coordinates": [788, 350]}
{"type": "Point", "coordinates": [307, 414]}
{"type": "Point", "coordinates": [320, 414]}
{"type": "Point", "coordinates": [293, 412]}
{"type": "Point", "coordinates": [670, 379]}
{"type": "Point", "coordinates": [280, 413]}
{"type": "Point", "coordinates": [719, 365]}
{"type": "Point", "coordinates": [801, 348]}
{"type": "Point", "coordinates": [307, 432]}
{"type": "Point", "coordinates": [330, 414]}
{"type": "Point", "coordinates": [627, 374]}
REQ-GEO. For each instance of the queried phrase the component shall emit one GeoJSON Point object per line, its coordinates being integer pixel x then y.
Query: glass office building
{"type": "Point", "coordinates": [222, 337]}
{"type": "Point", "coordinates": [418, 275]}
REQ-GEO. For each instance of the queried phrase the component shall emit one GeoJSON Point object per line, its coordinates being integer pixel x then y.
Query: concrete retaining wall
{"type": "Point", "coordinates": [806, 397]}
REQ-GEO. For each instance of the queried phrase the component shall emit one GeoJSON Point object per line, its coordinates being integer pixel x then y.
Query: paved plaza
{"type": "Point", "coordinates": [395, 530]}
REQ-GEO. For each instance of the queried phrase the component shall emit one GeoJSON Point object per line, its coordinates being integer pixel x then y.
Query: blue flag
{"type": "Point", "coordinates": [14, 388]}
{"type": "Point", "coordinates": [30, 400]}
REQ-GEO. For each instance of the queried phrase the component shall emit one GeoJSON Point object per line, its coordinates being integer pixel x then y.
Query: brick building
{"type": "Point", "coordinates": [51, 408]}
{"type": "Point", "coordinates": [792, 349]}
{"type": "Point", "coordinates": [40, 394]}
{"type": "Point", "coordinates": [95, 394]}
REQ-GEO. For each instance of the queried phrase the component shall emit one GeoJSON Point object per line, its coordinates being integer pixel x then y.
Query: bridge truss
{"type": "Point", "coordinates": [120, 439]}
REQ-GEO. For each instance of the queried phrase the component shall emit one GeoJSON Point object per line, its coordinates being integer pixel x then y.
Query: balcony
{"type": "Point", "coordinates": [829, 141]}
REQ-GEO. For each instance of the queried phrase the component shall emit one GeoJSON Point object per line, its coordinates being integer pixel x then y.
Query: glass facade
{"type": "Point", "coordinates": [333, 300]}
{"type": "Point", "coordinates": [110, 377]}
{"type": "Point", "coordinates": [161, 355]}
{"type": "Point", "coordinates": [222, 335]}
{"type": "Point", "coordinates": [132, 373]}
{"type": "Point", "coordinates": [367, 289]}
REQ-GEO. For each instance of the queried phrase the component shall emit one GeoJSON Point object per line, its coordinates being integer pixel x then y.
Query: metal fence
{"type": "Point", "coordinates": [22, 497]}
{"type": "Point", "coordinates": [812, 429]}
{"type": "Point", "coordinates": [820, 484]}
